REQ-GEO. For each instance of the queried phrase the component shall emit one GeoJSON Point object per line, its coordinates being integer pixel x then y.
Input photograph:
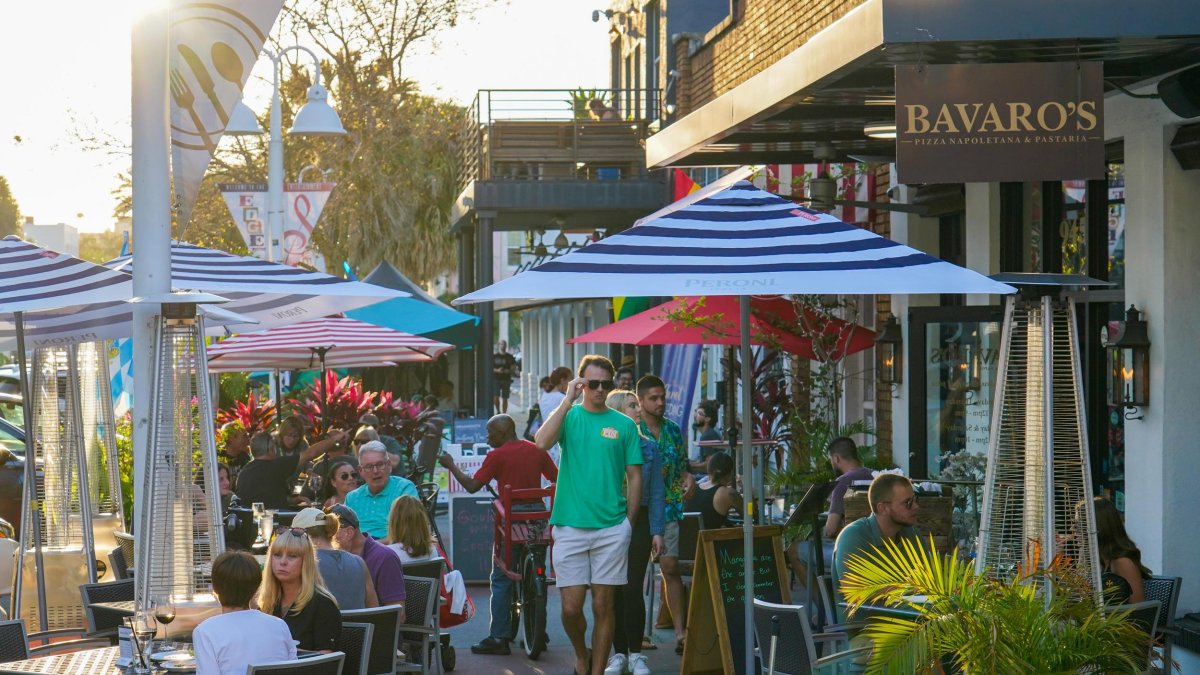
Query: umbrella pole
{"type": "Point", "coordinates": [747, 486]}
{"type": "Point", "coordinates": [29, 501]}
{"type": "Point", "coordinates": [278, 398]}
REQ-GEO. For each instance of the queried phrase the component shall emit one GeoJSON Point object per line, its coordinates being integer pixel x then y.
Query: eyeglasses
{"type": "Point", "coordinates": [344, 476]}
{"type": "Point", "coordinates": [296, 531]}
{"type": "Point", "coordinates": [375, 467]}
{"type": "Point", "coordinates": [910, 502]}
{"type": "Point", "coordinates": [604, 385]}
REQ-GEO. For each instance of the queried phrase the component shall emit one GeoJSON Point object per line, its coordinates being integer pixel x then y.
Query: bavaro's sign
{"type": "Point", "coordinates": [975, 123]}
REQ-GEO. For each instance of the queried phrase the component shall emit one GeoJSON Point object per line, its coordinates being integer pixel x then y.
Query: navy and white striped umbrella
{"type": "Point", "coordinates": [272, 294]}
{"type": "Point", "coordinates": [37, 278]}
{"type": "Point", "coordinates": [737, 241]}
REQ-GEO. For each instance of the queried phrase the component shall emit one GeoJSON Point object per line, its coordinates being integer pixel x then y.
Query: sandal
{"type": "Point", "coordinates": [679, 646]}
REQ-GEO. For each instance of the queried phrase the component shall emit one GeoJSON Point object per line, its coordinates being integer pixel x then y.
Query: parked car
{"type": "Point", "coordinates": [12, 472]}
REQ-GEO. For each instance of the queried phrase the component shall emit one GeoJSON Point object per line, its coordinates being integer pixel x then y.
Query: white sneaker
{"type": "Point", "coordinates": [616, 665]}
{"type": "Point", "coordinates": [638, 665]}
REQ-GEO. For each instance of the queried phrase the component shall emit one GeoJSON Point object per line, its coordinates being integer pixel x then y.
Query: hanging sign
{"type": "Point", "coordinates": [303, 203]}
{"type": "Point", "coordinates": [981, 123]}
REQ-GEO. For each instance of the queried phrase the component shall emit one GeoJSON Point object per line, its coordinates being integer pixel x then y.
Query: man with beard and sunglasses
{"type": "Point", "coordinates": [595, 503]}
{"type": "Point", "coordinates": [893, 516]}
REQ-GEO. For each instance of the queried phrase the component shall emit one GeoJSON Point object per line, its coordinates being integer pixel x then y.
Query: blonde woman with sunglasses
{"type": "Point", "coordinates": [292, 589]}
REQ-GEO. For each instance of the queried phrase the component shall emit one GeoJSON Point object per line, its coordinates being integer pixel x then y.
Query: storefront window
{"type": "Point", "coordinates": [960, 376]}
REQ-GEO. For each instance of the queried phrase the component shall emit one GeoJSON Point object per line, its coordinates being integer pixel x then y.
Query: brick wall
{"type": "Point", "coordinates": [882, 225]}
{"type": "Point", "coordinates": [759, 33]}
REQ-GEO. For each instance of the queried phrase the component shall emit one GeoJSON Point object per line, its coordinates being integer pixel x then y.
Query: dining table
{"type": "Point", "coordinates": [102, 661]}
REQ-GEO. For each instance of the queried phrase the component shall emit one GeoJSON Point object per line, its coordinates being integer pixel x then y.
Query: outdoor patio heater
{"type": "Point", "coordinates": [1038, 488]}
{"type": "Point", "coordinates": [182, 505]}
{"type": "Point", "coordinates": [59, 514]}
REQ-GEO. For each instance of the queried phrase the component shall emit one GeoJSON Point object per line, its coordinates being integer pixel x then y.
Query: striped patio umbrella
{"type": "Point", "coordinates": [739, 240]}
{"type": "Point", "coordinates": [320, 344]}
{"type": "Point", "coordinates": [272, 294]}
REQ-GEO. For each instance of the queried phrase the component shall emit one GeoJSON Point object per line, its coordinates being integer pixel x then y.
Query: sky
{"type": "Point", "coordinates": [69, 79]}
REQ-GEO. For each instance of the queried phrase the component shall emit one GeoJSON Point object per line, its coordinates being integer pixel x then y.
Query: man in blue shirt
{"type": "Point", "coordinates": [894, 513]}
{"type": "Point", "coordinates": [373, 501]}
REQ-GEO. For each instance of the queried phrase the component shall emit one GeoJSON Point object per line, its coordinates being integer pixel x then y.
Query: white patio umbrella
{"type": "Point", "coordinates": [739, 240]}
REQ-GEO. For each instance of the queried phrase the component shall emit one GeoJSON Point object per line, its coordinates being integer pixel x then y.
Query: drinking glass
{"type": "Point", "coordinates": [144, 627]}
{"type": "Point", "coordinates": [163, 607]}
{"type": "Point", "coordinates": [266, 525]}
{"type": "Point", "coordinates": [257, 511]}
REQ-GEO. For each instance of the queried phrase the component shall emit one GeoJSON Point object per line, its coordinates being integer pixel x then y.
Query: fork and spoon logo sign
{"type": "Point", "coordinates": [214, 45]}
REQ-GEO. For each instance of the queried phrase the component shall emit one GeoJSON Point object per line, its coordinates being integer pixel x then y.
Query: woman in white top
{"type": "Point", "coordinates": [227, 643]}
{"type": "Point", "coordinates": [548, 401]}
{"type": "Point", "coordinates": [408, 531]}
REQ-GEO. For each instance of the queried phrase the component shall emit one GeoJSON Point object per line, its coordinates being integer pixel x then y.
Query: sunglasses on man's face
{"type": "Point", "coordinates": [604, 385]}
{"type": "Point", "coordinates": [910, 502]}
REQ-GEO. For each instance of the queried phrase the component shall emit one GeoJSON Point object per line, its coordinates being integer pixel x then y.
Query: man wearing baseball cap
{"type": "Point", "coordinates": [384, 565]}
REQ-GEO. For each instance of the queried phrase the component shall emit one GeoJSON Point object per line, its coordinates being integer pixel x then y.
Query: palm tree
{"type": "Point", "coordinates": [1043, 620]}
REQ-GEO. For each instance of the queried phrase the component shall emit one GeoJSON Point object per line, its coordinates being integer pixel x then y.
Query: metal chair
{"type": "Point", "coordinates": [1144, 615]}
{"type": "Point", "coordinates": [102, 623]}
{"type": "Point", "coordinates": [118, 563]}
{"type": "Point", "coordinates": [421, 625]}
{"type": "Point", "coordinates": [429, 569]}
{"type": "Point", "coordinates": [385, 640]}
{"type": "Point", "coordinates": [125, 542]}
{"type": "Point", "coordinates": [14, 643]}
{"type": "Point", "coordinates": [326, 664]}
{"type": "Point", "coordinates": [355, 643]}
{"type": "Point", "coordinates": [1165, 590]}
{"type": "Point", "coordinates": [799, 657]}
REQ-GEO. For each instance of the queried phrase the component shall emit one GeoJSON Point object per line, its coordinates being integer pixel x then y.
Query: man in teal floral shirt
{"type": "Point", "coordinates": [679, 484]}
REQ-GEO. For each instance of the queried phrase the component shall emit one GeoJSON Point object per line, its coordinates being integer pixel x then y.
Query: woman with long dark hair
{"type": "Point", "coordinates": [341, 478]}
{"type": "Point", "coordinates": [716, 500]}
{"type": "Point", "coordinates": [1123, 574]}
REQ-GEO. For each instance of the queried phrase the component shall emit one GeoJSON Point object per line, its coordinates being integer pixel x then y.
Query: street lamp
{"type": "Point", "coordinates": [315, 118]}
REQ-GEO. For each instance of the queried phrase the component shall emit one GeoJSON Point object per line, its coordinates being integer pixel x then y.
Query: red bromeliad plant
{"type": "Point", "coordinates": [254, 415]}
{"type": "Point", "coordinates": [403, 420]}
{"type": "Point", "coordinates": [338, 406]}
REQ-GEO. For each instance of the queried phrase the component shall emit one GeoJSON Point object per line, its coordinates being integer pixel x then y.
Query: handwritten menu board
{"type": "Point", "coordinates": [471, 537]}
{"type": "Point", "coordinates": [716, 614]}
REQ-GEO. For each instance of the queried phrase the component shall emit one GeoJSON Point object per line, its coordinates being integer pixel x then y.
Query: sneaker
{"type": "Point", "coordinates": [616, 665]}
{"type": "Point", "coordinates": [492, 646]}
{"type": "Point", "coordinates": [638, 664]}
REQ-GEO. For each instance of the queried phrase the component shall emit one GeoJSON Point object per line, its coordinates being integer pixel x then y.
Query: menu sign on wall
{"type": "Point", "coordinates": [979, 123]}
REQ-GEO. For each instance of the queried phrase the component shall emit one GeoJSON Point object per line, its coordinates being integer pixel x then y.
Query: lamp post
{"type": "Point", "coordinates": [315, 118]}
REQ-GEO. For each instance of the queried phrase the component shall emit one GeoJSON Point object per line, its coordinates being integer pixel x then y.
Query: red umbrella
{"type": "Point", "coordinates": [713, 320]}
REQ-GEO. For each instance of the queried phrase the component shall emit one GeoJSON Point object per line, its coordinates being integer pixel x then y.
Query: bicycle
{"type": "Point", "coordinates": [525, 526]}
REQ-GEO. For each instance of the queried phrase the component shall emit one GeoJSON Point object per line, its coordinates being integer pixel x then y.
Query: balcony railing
{"type": "Point", "coordinates": [553, 134]}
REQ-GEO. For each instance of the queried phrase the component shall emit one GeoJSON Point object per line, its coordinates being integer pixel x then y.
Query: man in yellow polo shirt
{"type": "Point", "coordinates": [595, 501]}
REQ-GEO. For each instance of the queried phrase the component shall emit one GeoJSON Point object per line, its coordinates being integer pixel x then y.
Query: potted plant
{"type": "Point", "coordinates": [1042, 620]}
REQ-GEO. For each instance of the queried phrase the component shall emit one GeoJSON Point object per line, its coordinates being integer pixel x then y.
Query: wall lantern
{"type": "Point", "coordinates": [1129, 365]}
{"type": "Point", "coordinates": [889, 353]}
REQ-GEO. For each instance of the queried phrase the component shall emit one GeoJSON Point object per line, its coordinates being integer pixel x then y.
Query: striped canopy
{"type": "Point", "coordinates": [320, 344]}
{"type": "Point", "coordinates": [272, 294]}
{"type": "Point", "coordinates": [739, 240]}
{"type": "Point", "coordinates": [36, 278]}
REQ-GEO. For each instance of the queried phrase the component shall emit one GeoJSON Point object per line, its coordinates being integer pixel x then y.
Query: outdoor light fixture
{"type": "Point", "coordinates": [1129, 365]}
{"type": "Point", "coordinates": [317, 118]}
{"type": "Point", "coordinates": [560, 241]}
{"type": "Point", "coordinates": [881, 130]}
{"type": "Point", "coordinates": [889, 353]}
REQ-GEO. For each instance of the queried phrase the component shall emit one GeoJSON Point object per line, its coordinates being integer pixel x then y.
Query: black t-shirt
{"type": "Point", "coordinates": [268, 481]}
{"type": "Point", "coordinates": [708, 451]}
{"type": "Point", "coordinates": [502, 366]}
{"type": "Point", "coordinates": [318, 626]}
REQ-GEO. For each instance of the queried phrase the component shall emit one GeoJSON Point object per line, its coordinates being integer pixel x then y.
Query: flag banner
{"type": "Point", "coordinates": [120, 365]}
{"type": "Point", "coordinates": [302, 207]}
{"type": "Point", "coordinates": [214, 45]}
{"type": "Point", "coordinates": [247, 204]}
{"type": "Point", "coordinates": [681, 367]}
{"type": "Point", "coordinates": [789, 180]}
{"type": "Point", "coordinates": [303, 203]}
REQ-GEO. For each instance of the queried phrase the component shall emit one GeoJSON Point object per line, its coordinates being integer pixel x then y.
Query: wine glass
{"type": "Point", "coordinates": [258, 508]}
{"type": "Point", "coordinates": [163, 607]}
{"type": "Point", "coordinates": [144, 628]}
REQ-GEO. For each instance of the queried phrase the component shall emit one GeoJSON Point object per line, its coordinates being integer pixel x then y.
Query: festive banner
{"type": "Point", "coordinates": [681, 367]}
{"type": "Point", "coordinates": [302, 206]}
{"type": "Point", "coordinates": [214, 45]}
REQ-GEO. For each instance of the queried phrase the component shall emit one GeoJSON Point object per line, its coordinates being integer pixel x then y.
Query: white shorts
{"type": "Point", "coordinates": [592, 556]}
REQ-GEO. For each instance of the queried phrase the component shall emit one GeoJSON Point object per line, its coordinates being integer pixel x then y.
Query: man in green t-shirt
{"type": "Point", "coordinates": [595, 501]}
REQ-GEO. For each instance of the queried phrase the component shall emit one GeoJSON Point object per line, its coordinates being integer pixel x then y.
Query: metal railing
{"type": "Point", "coordinates": [572, 109]}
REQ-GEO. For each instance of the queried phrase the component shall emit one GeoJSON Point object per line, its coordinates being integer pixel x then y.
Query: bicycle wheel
{"type": "Point", "coordinates": [533, 614]}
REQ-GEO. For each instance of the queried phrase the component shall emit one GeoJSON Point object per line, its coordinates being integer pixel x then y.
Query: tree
{"type": "Point", "coordinates": [10, 213]}
{"type": "Point", "coordinates": [99, 247]}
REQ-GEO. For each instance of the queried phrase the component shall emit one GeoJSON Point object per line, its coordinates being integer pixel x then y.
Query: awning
{"type": "Point", "coordinates": [828, 89]}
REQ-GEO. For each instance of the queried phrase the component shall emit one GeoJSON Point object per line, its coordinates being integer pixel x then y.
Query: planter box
{"type": "Point", "coordinates": [934, 518]}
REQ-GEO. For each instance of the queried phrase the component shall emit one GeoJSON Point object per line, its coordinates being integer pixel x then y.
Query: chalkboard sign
{"type": "Point", "coordinates": [470, 430]}
{"type": "Point", "coordinates": [716, 613]}
{"type": "Point", "coordinates": [471, 537]}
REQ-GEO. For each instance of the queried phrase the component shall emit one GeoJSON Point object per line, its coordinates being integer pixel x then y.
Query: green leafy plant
{"type": "Point", "coordinates": [579, 100]}
{"type": "Point", "coordinates": [1043, 620]}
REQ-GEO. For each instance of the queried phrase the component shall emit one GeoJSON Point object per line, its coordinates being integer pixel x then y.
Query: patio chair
{"type": "Point", "coordinates": [14, 643]}
{"type": "Point", "coordinates": [1166, 591]}
{"type": "Point", "coordinates": [118, 564]}
{"type": "Point", "coordinates": [421, 626]}
{"type": "Point", "coordinates": [1145, 616]}
{"type": "Point", "coordinates": [101, 623]}
{"type": "Point", "coordinates": [355, 643]}
{"type": "Point", "coordinates": [385, 638]}
{"type": "Point", "coordinates": [326, 664]}
{"type": "Point", "coordinates": [429, 569]}
{"type": "Point", "coordinates": [125, 542]}
{"type": "Point", "coordinates": [799, 656]}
